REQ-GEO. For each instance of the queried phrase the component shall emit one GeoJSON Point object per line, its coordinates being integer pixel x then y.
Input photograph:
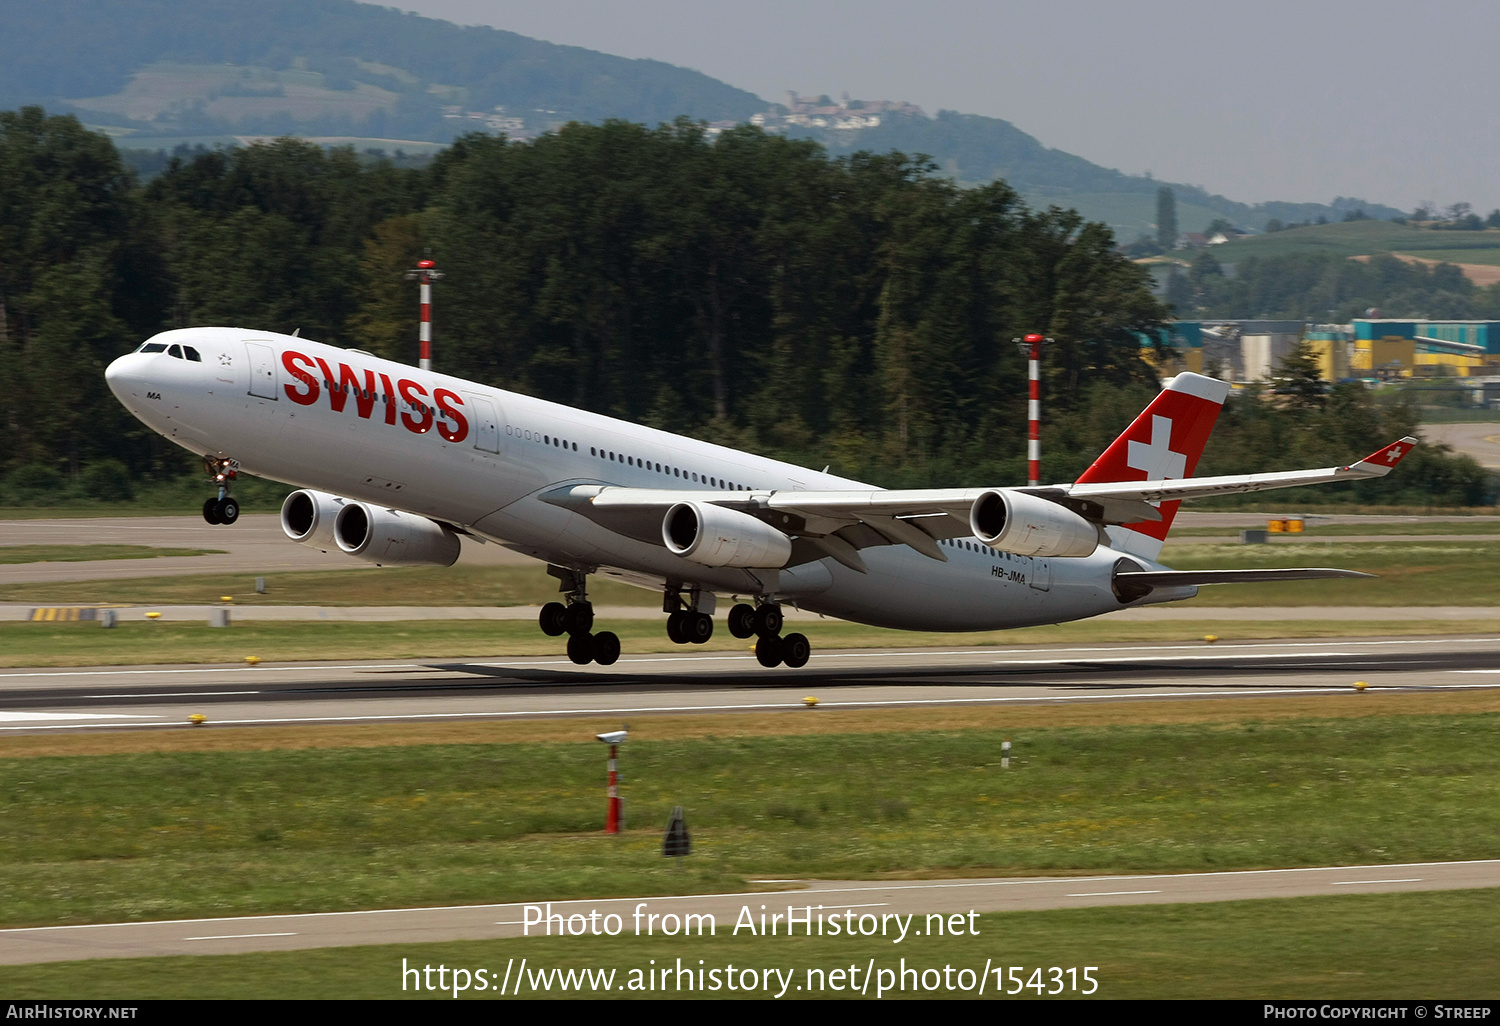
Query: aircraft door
{"type": "Point", "coordinates": [1040, 577]}
{"type": "Point", "coordinates": [262, 370]}
{"type": "Point", "coordinates": [486, 423]}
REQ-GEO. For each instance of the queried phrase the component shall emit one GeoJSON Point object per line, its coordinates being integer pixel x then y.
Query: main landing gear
{"type": "Point", "coordinates": [223, 509]}
{"type": "Point", "coordinates": [764, 623]}
{"type": "Point", "coordinates": [690, 620]}
{"type": "Point", "coordinates": [576, 619]}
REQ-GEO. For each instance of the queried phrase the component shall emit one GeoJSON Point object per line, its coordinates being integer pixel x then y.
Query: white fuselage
{"type": "Point", "coordinates": [480, 458]}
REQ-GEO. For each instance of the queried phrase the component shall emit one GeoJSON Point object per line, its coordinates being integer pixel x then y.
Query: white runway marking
{"type": "Point", "coordinates": [239, 936]}
{"type": "Point", "coordinates": [1108, 894]}
{"type": "Point", "coordinates": [33, 717]}
{"type": "Point", "coordinates": [1352, 883]}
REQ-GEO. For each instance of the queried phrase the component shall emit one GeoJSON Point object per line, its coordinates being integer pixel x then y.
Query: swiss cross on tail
{"type": "Point", "coordinates": [1164, 443]}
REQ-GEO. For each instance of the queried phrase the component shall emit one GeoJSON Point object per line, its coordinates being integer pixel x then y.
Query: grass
{"type": "Point", "coordinates": [1436, 574]}
{"type": "Point", "coordinates": [461, 585]}
{"type": "Point", "coordinates": [12, 554]}
{"type": "Point", "coordinates": [1357, 238]}
{"type": "Point", "coordinates": [1431, 946]}
{"type": "Point", "coordinates": [1317, 532]}
{"type": "Point", "coordinates": [1410, 573]}
{"type": "Point", "coordinates": [181, 826]}
{"type": "Point", "coordinates": [141, 642]}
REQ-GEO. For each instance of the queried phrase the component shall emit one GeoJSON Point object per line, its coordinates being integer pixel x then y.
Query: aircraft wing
{"type": "Point", "coordinates": [838, 523]}
{"type": "Point", "coordinates": [1377, 464]}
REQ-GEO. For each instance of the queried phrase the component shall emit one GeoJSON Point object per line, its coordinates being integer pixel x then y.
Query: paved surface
{"type": "Point", "coordinates": [1481, 441]}
{"type": "Point", "coordinates": [163, 697]}
{"type": "Point", "coordinates": [253, 544]}
{"type": "Point", "coordinates": [848, 898]}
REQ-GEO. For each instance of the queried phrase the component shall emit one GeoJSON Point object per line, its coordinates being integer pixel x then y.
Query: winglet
{"type": "Point", "coordinates": [1380, 463]}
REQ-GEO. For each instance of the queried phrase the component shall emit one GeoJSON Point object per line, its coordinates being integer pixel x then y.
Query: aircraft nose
{"type": "Point", "coordinates": [123, 376]}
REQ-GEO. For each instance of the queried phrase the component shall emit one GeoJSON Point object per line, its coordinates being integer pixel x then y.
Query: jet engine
{"type": "Point", "coordinates": [383, 536]}
{"type": "Point", "coordinates": [715, 536]}
{"type": "Point", "coordinates": [307, 517]}
{"type": "Point", "coordinates": [1026, 525]}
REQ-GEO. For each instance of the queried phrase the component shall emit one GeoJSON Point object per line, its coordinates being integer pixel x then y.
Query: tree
{"type": "Point", "coordinates": [1166, 218]}
{"type": "Point", "coordinates": [1299, 378]}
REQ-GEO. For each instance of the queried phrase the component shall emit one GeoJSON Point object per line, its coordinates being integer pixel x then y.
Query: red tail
{"type": "Point", "coordinates": [1164, 443]}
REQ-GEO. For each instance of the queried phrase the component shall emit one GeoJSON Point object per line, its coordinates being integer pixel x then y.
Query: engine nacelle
{"type": "Point", "coordinates": [383, 536]}
{"type": "Point", "coordinates": [307, 517]}
{"type": "Point", "coordinates": [1026, 525]}
{"type": "Point", "coordinates": [715, 536]}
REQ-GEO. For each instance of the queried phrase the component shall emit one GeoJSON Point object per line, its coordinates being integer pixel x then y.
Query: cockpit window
{"type": "Point", "coordinates": [175, 352]}
{"type": "Point", "coordinates": [192, 354]}
{"type": "Point", "coordinates": [152, 347]}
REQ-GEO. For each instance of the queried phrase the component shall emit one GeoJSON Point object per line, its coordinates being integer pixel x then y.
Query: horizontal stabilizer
{"type": "Point", "coordinates": [1194, 578]}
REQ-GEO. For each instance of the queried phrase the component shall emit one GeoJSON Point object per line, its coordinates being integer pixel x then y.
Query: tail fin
{"type": "Point", "coordinates": [1164, 443]}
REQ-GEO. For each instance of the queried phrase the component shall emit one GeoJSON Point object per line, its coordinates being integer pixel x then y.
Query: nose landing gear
{"type": "Point", "coordinates": [222, 509]}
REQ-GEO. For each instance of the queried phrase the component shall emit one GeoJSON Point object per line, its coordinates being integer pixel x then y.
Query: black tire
{"type": "Point", "coordinates": [698, 627]}
{"type": "Point", "coordinates": [674, 628]}
{"type": "Point", "coordinates": [229, 510]}
{"type": "Point", "coordinates": [580, 618]}
{"type": "Point", "coordinates": [211, 511]}
{"type": "Point", "coordinates": [741, 621]}
{"type": "Point", "coordinates": [581, 649]}
{"type": "Point", "coordinates": [606, 648]}
{"type": "Point", "coordinates": [768, 650]}
{"type": "Point", "coordinates": [554, 619]}
{"type": "Point", "coordinates": [768, 620]}
{"type": "Point", "coordinates": [795, 650]}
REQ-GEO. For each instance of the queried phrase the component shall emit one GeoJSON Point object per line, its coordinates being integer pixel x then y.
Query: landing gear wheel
{"type": "Point", "coordinates": [580, 618]}
{"type": "Point", "coordinates": [228, 510]}
{"type": "Point", "coordinates": [741, 620]}
{"type": "Point", "coordinates": [581, 648]}
{"type": "Point", "coordinates": [698, 627]}
{"type": "Point", "coordinates": [795, 650]}
{"type": "Point", "coordinates": [211, 511]}
{"type": "Point", "coordinates": [554, 619]}
{"type": "Point", "coordinates": [674, 627]}
{"type": "Point", "coordinates": [768, 650]}
{"type": "Point", "coordinates": [606, 648]}
{"type": "Point", "coordinates": [768, 620]}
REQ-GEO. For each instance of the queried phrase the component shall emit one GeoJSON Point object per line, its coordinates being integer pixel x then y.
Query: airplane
{"type": "Point", "coordinates": [392, 465]}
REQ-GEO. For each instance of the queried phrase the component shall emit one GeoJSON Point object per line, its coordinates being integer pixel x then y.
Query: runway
{"type": "Point", "coordinates": [850, 900]}
{"type": "Point", "coordinates": [163, 697]}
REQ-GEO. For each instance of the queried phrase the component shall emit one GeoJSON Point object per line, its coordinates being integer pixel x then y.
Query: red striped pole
{"type": "Point", "coordinates": [612, 822]}
{"type": "Point", "coordinates": [425, 273]}
{"type": "Point", "coordinates": [1034, 410]}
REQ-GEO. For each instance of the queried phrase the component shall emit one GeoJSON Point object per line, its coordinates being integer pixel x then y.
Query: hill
{"type": "Point", "coordinates": [157, 74]}
{"type": "Point", "coordinates": [1363, 238]}
{"type": "Point", "coordinates": [159, 69]}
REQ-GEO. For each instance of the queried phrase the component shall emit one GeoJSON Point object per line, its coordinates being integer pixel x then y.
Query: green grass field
{"type": "Point", "coordinates": [16, 554]}
{"type": "Point", "coordinates": [168, 831]}
{"type": "Point", "coordinates": [131, 826]}
{"type": "Point", "coordinates": [1410, 573]}
{"type": "Point", "coordinates": [1357, 238]}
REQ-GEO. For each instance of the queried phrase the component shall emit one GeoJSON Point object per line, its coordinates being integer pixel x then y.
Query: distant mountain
{"type": "Point", "coordinates": [158, 73]}
{"type": "Point", "coordinates": [324, 67]}
{"type": "Point", "coordinates": [972, 148]}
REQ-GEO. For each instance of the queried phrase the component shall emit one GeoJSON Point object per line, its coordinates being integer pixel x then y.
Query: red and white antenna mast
{"type": "Point", "coordinates": [426, 273]}
{"type": "Point", "coordinates": [1031, 346]}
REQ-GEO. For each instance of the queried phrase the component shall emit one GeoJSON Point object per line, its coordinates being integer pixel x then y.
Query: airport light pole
{"type": "Point", "coordinates": [426, 273]}
{"type": "Point", "coordinates": [1031, 347]}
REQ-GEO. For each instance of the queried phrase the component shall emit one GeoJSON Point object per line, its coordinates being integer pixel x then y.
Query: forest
{"type": "Point", "coordinates": [856, 311]}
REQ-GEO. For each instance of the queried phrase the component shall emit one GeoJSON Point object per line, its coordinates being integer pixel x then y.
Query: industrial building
{"type": "Point", "coordinates": [1244, 351]}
